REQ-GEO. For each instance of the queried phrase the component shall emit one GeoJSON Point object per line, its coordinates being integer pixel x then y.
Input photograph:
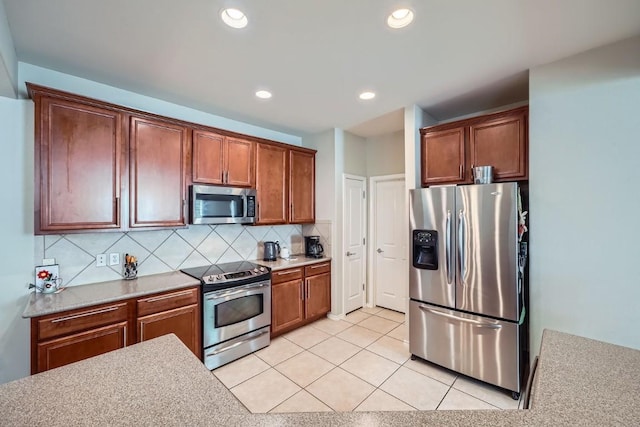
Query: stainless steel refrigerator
{"type": "Point", "coordinates": [465, 283]}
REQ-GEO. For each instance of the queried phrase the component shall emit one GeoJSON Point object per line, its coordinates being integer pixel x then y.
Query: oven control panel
{"type": "Point", "coordinates": [231, 277]}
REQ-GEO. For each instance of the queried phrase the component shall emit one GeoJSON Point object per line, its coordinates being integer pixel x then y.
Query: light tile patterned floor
{"type": "Point", "coordinates": [361, 363]}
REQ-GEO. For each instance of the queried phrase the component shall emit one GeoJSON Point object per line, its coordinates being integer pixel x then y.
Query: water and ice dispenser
{"type": "Point", "coordinates": [425, 249]}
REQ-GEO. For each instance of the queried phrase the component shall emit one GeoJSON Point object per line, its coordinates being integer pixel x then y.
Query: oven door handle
{"type": "Point", "coordinates": [213, 296]}
{"type": "Point", "coordinates": [236, 344]}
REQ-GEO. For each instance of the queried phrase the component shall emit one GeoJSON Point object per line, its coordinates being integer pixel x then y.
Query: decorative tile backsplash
{"type": "Point", "coordinates": [162, 251]}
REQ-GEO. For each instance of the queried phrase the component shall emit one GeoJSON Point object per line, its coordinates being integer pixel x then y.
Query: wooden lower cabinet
{"type": "Point", "coordinates": [183, 321]}
{"type": "Point", "coordinates": [62, 338]}
{"type": "Point", "coordinates": [287, 305]}
{"type": "Point", "coordinates": [301, 300]}
{"type": "Point", "coordinates": [318, 298]}
{"type": "Point", "coordinates": [62, 351]}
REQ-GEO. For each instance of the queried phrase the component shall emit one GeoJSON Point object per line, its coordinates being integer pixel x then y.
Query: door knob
{"type": "Point", "coordinates": [379, 250]}
{"type": "Point", "coordinates": [350, 253]}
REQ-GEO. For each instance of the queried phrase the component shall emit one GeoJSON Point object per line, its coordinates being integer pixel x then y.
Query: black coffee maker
{"type": "Point", "coordinates": [312, 247]}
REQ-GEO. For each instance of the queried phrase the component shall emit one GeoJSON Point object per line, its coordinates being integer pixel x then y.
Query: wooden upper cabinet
{"type": "Point", "coordinates": [443, 156]}
{"type": "Point", "coordinates": [222, 160]}
{"type": "Point", "coordinates": [78, 163]}
{"type": "Point", "coordinates": [301, 187]}
{"type": "Point", "coordinates": [271, 184]}
{"type": "Point", "coordinates": [158, 162]}
{"type": "Point", "coordinates": [450, 151]}
{"type": "Point", "coordinates": [208, 167]}
{"type": "Point", "coordinates": [502, 143]}
{"type": "Point", "coordinates": [238, 157]}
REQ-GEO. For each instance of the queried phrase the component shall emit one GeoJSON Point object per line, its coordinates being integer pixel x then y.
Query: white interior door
{"type": "Point", "coordinates": [389, 242]}
{"type": "Point", "coordinates": [354, 229]}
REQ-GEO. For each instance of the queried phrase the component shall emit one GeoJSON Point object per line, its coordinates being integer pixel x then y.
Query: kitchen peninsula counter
{"type": "Point", "coordinates": [159, 382]}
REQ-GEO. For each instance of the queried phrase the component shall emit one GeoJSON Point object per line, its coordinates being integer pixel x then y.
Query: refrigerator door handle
{"type": "Point", "coordinates": [461, 319]}
{"type": "Point", "coordinates": [461, 248]}
{"type": "Point", "coordinates": [448, 248]}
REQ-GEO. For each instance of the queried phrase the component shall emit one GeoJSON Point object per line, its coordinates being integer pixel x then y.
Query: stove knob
{"type": "Point", "coordinates": [255, 270]}
{"type": "Point", "coordinates": [262, 269]}
{"type": "Point", "coordinates": [210, 279]}
{"type": "Point", "coordinates": [219, 277]}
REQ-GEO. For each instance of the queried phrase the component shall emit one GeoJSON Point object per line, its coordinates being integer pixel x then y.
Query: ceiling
{"type": "Point", "coordinates": [457, 57]}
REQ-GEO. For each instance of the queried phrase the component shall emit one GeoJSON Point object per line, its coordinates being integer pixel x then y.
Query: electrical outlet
{"type": "Point", "coordinates": [114, 258]}
{"type": "Point", "coordinates": [101, 260]}
{"type": "Point", "coordinates": [48, 261]}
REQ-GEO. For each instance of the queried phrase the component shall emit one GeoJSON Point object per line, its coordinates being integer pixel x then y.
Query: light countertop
{"type": "Point", "coordinates": [294, 261]}
{"type": "Point", "coordinates": [80, 296]}
{"type": "Point", "coordinates": [159, 382]}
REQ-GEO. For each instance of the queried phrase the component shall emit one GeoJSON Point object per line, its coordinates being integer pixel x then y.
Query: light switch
{"type": "Point", "coordinates": [114, 258]}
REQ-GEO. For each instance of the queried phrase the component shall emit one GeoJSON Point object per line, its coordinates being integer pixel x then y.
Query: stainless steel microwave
{"type": "Point", "coordinates": [212, 204]}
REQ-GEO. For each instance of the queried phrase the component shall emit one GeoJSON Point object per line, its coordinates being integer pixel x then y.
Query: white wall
{"type": "Point", "coordinates": [355, 159]}
{"type": "Point", "coordinates": [16, 229]}
{"type": "Point", "coordinates": [45, 77]}
{"type": "Point", "coordinates": [385, 154]}
{"type": "Point", "coordinates": [325, 172]}
{"type": "Point", "coordinates": [414, 119]}
{"type": "Point", "coordinates": [8, 60]}
{"type": "Point", "coordinates": [585, 204]}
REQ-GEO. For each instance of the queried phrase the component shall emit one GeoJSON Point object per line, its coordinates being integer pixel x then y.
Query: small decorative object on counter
{"type": "Point", "coordinates": [130, 267]}
{"type": "Point", "coordinates": [47, 280]}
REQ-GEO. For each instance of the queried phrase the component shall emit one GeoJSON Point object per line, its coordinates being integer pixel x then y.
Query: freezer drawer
{"type": "Point", "coordinates": [479, 347]}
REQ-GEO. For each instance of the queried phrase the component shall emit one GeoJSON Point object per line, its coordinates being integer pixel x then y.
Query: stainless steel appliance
{"type": "Point", "coordinates": [236, 310]}
{"type": "Point", "coordinates": [312, 247]}
{"type": "Point", "coordinates": [212, 204]}
{"type": "Point", "coordinates": [271, 250]}
{"type": "Point", "coordinates": [466, 306]}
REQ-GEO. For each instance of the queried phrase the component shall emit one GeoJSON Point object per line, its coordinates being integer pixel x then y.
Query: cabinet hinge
{"type": "Point", "coordinates": [363, 240]}
{"type": "Point", "coordinates": [363, 286]}
{"type": "Point", "coordinates": [364, 194]}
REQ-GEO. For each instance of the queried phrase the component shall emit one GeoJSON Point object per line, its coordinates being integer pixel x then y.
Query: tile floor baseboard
{"type": "Point", "coordinates": [361, 363]}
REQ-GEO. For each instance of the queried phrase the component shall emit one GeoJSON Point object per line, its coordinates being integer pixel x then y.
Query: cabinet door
{"type": "Point", "coordinates": [208, 157]}
{"type": "Point", "coordinates": [301, 187]}
{"type": "Point", "coordinates": [78, 160]}
{"type": "Point", "coordinates": [287, 309]}
{"type": "Point", "coordinates": [158, 169]}
{"type": "Point", "coordinates": [62, 351]}
{"type": "Point", "coordinates": [318, 297]}
{"type": "Point", "coordinates": [501, 143]}
{"type": "Point", "coordinates": [183, 321]}
{"type": "Point", "coordinates": [271, 184]}
{"type": "Point", "coordinates": [442, 156]}
{"type": "Point", "coordinates": [239, 162]}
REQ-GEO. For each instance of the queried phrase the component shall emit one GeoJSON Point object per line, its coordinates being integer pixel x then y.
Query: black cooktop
{"type": "Point", "coordinates": [230, 274]}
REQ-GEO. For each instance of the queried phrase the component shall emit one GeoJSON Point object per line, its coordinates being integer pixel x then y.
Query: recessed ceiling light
{"type": "Point", "coordinates": [367, 95]}
{"type": "Point", "coordinates": [400, 18]}
{"type": "Point", "coordinates": [234, 18]}
{"type": "Point", "coordinates": [263, 94]}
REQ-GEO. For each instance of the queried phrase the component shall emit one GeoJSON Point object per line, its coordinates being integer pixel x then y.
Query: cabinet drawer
{"type": "Point", "coordinates": [78, 320]}
{"type": "Point", "coordinates": [167, 301]}
{"type": "Point", "coordinates": [312, 270]}
{"type": "Point", "coordinates": [286, 275]}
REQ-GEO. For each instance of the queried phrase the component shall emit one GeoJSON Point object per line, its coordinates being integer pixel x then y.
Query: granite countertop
{"type": "Point", "coordinates": [80, 296]}
{"type": "Point", "coordinates": [295, 261]}
{"type": "Point", "coordinates": [159, 382]}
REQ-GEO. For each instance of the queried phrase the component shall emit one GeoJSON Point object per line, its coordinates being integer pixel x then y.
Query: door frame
{"type": "Point", "coordinates": [371, 285]}
{"type": "Point", "coordinates": [365, 263]}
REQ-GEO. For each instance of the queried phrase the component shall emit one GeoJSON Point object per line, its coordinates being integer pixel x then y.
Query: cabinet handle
{"type": "Point", "coordinates": [293, 211]}
{"type": "Point", "coordinates": [301, 291]}
{"type": "Point", "coordinates": [168, 296]}
{"type": "Point", "coordinates": [280, 273]}
{"type": "Point", "coordinates": [226, 177]}
{"type": "Point", "coordinates": [222, 177]}
{"type": "Point", "coordinates": [461, 172]}
{"type": "Point", "coordinates": [318, 266]}
{"type": "Point", "coordinates": [308, 291]}
{"type": "Point", "coordinates": [87, 313]}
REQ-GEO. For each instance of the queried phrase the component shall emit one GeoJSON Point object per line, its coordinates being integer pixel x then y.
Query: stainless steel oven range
{"type": "Point", "coordinates": [236, 310]}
